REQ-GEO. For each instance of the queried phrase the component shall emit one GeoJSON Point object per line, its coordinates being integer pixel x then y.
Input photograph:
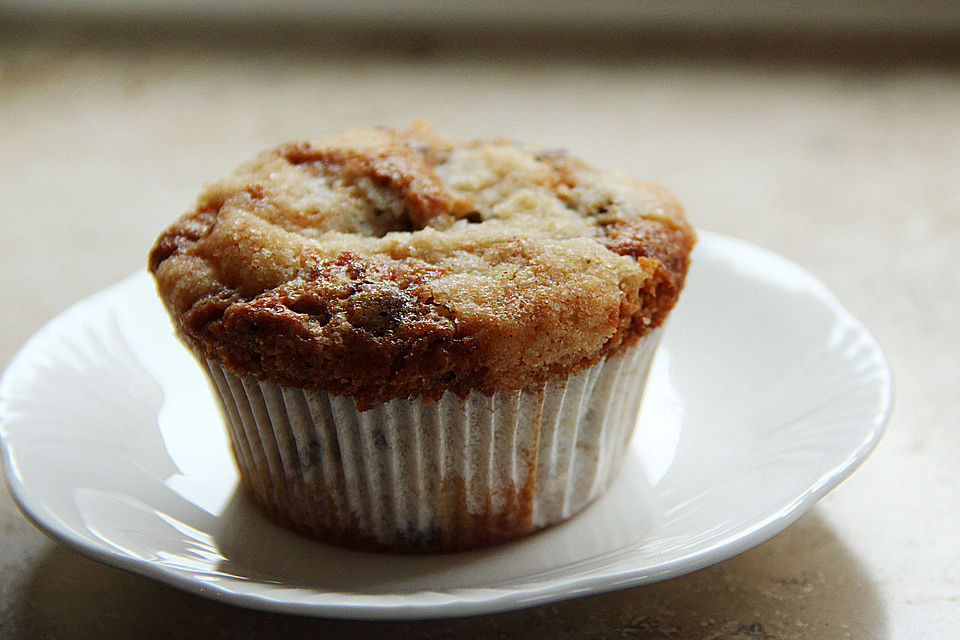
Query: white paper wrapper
{"type": "Point", "coordinates": [447, 475]}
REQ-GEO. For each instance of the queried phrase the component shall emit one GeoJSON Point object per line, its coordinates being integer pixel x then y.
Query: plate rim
{"type": "Point", "coordinates": [371, 606]}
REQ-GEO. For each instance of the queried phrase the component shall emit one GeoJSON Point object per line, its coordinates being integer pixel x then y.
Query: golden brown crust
{"type": "Point", "coordinates": [386, 264]}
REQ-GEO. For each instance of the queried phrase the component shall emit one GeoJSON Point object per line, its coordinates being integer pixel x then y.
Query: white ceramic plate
{"type": "Point", "coordinates": [764, 396]}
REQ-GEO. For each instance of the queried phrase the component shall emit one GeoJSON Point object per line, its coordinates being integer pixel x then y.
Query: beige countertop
{"type": "Point", "coordinates": [850, 170]}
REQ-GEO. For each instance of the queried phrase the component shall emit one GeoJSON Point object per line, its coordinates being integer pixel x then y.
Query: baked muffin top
{"type": "Point", "coordinates": [401, 263]}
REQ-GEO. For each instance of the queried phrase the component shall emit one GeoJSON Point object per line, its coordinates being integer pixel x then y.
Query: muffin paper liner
{"type": "Point", "coordinates": [446, 475]}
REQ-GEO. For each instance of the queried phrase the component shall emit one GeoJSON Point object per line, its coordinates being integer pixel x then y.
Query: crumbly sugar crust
{"type": "Point", "coordinates": [386, 264]}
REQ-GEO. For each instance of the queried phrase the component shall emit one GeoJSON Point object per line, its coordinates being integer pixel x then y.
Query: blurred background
{"type": "Point", "coordinates": [828, 132]}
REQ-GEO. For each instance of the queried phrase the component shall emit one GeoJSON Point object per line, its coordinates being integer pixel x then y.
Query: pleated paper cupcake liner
{"type": "Point", "coordinates": [447, 475]}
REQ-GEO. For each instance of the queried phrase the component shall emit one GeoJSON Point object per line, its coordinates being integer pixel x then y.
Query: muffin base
{"type": "Point", "coordinates": [449, 475]}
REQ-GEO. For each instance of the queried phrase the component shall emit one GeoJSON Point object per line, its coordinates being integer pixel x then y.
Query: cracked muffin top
{"type": "Point", "coordinates": [401, 263]}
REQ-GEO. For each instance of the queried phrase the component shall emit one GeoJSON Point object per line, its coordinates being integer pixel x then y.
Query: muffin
{"type": "Point", "coordinates": [423, 344]}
